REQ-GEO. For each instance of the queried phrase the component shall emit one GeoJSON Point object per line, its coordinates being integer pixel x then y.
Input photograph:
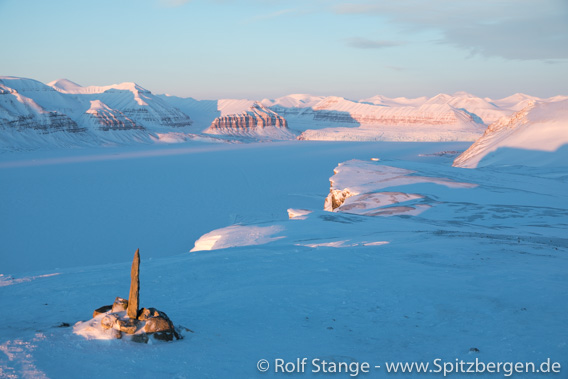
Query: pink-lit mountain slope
{"type": "Point", "coordinates": [536, 135]}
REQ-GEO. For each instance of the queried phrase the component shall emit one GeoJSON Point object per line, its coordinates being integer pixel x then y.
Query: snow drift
{"type": "Point", "coordinates": [358, 187]}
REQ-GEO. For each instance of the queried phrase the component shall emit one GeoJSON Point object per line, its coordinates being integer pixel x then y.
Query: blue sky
{"type": "Point", "coordinates": [256, 49]}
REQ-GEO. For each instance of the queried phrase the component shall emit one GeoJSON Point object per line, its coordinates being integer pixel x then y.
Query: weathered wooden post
{"type": "Point", "coordinates": [134, 296]}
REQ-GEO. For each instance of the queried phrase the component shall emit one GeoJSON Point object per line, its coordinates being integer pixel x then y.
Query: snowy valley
{"type": "Point", "coordinates": [379, 230]}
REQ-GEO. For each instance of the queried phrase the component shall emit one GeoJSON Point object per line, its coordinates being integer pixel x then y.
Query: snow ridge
{"type": "Point", "coordinates": [540, 126]}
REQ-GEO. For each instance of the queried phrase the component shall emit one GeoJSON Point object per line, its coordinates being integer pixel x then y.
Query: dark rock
{"type": "Point", "coordinates": [474, 350]}
{"type": "Point", "coordinates": [119, 304]}
{"type": "Point", "coordinates": [63, 325]}
{"type": "Point", "coordinates": [164, 336]}
{"type": "Point", "coordinates": [140, 338]}
{"type": "Point", "coordinates": [146, 313]}
{"type": "Point", "coordinates": [127, 326]}
{"type": "Point", "coordinates": [134, 296]}
{"type": "Point", "coordinates": [158, 324]}
{"type": "Point", "coordinates": [101, 310]}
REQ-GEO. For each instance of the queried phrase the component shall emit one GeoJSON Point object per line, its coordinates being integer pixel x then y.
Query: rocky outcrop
{"type": "Point", "coordinates": [104, 118]}
{"type": "Point", "coordinates": [147, 116]}
{"type": "Point", "coordinates": [257, 117]}
{"type": "Point", "coordinates": [357, 187]}
{"type": "Point", "coordinates": [44, 123]}
{"type": "Point", "coordinates": [336, 198]}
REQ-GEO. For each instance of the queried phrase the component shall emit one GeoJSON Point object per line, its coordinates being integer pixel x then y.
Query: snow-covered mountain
{"type": "Point", "coordinates": [64, 114]}
{"type": "Point", "coordinates": [461, 116]}
{"type": "Point", "coordinates": [540, 129]}
{"type": "Point", "coordinates": [81, 116]}
{"type": "Point", "coordinates": [27, 104]}
{"type": "Point", "coordinates": [135, 102]}
{"type": "Point", "coordinates": [441, 118]}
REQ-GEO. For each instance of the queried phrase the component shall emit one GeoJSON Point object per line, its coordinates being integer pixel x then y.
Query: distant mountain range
{"type": "Point", "coordinates": [65, 114]}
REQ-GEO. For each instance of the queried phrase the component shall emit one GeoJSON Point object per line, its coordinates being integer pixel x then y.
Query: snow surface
{"type": "Point", "coordinates": [483, 267]}
{"type": "Point", "coordinates": [298, 214]}
{"type": "Point", "coordinates": [523, 138]}
{"type": "Point", "coordinates": [237, 235]}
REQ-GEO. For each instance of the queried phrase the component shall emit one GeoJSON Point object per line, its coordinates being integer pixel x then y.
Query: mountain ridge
{"type": "Point", "coordinates": [134, 114]}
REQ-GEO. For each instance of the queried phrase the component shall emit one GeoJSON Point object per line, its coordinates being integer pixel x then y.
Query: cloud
{"type": "Point", "coordinates": [396, 68]}
{"type": "Point", "coordinates": [364, 43]}
{"type": "Point", "coordinates": [174, 3]}
{"type": "Point", "coordinates": [512, 29]}
{"type": "Point", "coordinates": [272, 15]}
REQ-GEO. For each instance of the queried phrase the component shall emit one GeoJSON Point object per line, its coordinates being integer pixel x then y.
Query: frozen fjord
{"type": "Point", "coordinates": [483, 267]}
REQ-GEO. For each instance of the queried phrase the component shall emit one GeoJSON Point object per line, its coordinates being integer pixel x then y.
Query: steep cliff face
{"type": "Point", "coordinates": [256, 118]}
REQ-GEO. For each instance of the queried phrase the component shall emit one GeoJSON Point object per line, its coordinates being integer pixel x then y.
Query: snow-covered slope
{"type": "Point", "coordinates": [440, 118]}
{"type": "Point", "coordinates": [82, 116]}
{"type": "Point", "coordinates": [134, 101]}
{"type": "Point", "coordinates": [536, 135]}
{"type": "Point", "coordinates": [27, 104]}
{"type": "Point", "coordinates": [101, 116]}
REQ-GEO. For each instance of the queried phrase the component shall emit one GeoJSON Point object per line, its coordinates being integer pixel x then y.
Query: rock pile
{"type": "Point", "coordinates": [149, 322]}
{"type": "Point", "coordinates": [124, 319]}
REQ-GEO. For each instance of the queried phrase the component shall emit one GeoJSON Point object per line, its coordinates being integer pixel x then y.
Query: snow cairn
{"type": "Point", "coordinates": [125, 320]}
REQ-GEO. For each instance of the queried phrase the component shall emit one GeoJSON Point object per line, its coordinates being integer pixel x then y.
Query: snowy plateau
{"type": "Point", "coordinates": [379, 230]}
